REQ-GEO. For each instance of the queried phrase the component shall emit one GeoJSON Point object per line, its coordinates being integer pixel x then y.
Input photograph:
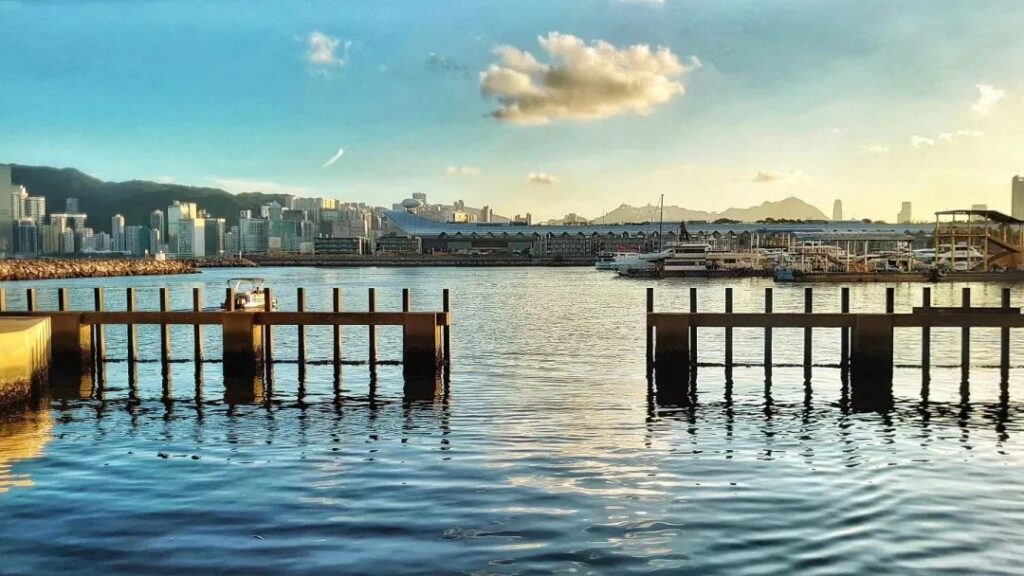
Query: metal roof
{"type": "Point", "coordinates": [414, 225]}
{"type": "Point", "coordinates": [993, 215]}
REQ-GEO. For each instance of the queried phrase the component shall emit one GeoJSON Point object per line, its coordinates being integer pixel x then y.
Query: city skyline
{"type": "Point", "coordinates": [727, 106]}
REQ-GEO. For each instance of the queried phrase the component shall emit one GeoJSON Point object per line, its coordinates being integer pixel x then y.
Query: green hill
{"type": "Point", "coordinates": [134, 199]}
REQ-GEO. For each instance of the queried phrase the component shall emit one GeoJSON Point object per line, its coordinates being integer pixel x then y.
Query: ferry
{"type": "Point", "coordinates": [249, 295]}
{"type": "Point", "coordinates": [611, 260]}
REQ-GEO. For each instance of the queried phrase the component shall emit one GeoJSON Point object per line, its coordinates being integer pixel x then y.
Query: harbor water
{"type": "Point", "coordinates": [544, 453]}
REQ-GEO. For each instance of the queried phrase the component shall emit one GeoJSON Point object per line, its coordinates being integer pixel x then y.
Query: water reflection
{"type": "Point", "coordinates": [23, 437]}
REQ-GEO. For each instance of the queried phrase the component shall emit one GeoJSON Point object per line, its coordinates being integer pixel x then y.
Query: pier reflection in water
{"type": "Point", "coordinates": [547, 451]}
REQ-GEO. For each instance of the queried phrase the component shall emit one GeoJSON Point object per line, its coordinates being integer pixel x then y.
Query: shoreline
{"type": "Point", "coordinates": [67, 268]}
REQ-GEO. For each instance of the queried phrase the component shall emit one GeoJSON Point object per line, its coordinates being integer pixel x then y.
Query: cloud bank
{"type": "Point", "coordinates": [540, 178]}
{"type": "Point", "coordinates": [462, 171]}
{"type": "Point", "coordinates": [948, 137]}
{"type": "Point", "coordinates": [337, 156]}
{"type": "Point", "coordinates": [321, 50]}
{"type": "Point", "coordinates": [771, 176]}
{"type": "Point", "coordinates": [582, 82]}
{"type": "Point", "coordinates": [988, 97]}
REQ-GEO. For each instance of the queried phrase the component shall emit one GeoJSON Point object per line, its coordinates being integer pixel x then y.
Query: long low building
{"type": "Point", "coordinates": [588, 240]}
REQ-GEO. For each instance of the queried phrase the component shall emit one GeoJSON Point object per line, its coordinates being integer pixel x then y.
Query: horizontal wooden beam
{"type": "Point", "coordinates": [922, 319]}
{"type": "Point", "coordinates": [258, 318]}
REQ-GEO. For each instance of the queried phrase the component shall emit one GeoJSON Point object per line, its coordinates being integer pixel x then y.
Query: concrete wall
{"type": "Point", "coordinates": [25, 360]}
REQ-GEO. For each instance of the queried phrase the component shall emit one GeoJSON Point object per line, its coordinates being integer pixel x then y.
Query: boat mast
{"type": "Point", "coordinates": [661, 225]}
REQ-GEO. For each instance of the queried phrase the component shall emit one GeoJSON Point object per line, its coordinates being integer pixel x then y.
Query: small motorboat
{"type": "Point", "coordinates": [249, 295]}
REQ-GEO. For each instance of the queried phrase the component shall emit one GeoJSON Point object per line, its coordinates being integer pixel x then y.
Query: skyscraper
{"type": "Point", "coordinates": [117, 237]}
{"type": "Point", "coordinates": [176, 212]}
{"type": "Point", "coordinates": [156, 222]}
{"type": "Point", "coordinates": [1017, 207]}
{"type": "Point", "coordinates": [35, 209]}
{"type": "Point", "coordinates": [904, 217]}
{"type": "Point", "coordinates": [837, 210]}
{"type": "Point", "coordinates": [71, 206]}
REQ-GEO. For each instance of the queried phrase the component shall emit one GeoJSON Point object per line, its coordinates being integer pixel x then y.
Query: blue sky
{"type": "Point", "coordinates": [821, 100]}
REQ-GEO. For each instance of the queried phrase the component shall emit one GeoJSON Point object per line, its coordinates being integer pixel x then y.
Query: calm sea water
{"type": "Point", "coordinates": [546, 453]}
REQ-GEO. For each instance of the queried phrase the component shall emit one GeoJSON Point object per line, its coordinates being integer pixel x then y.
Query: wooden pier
{"type": "Point", "coordinates": [866, 339]}
{"type": "Point", "coordinates": [78, 343]}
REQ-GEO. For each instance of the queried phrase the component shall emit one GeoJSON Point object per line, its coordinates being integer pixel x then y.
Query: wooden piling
{"type": "Point", "coordinates": [1004, 342]}
{"type": "Point", "coordinates": [229, 300]}
{"type": "Point", "coordinates": [300, 305]}
{"type": "Point", "coordinates": [728, 331]}
{"type": "Point", "coordinates": [268, 331]}
{"type": "Point", "coordinates": [197, 329]}
{"type": "Point", "coordinates": [447, 331]}
{"type": "Point", "coordinates": [844, 333]}
{"type": "Point", "coordinates": [926, 336]}
{"type": "Point", "coordinates": [673, 364]}
{"type": "Point", "coordinates": [337, 306]}
{"type": "Point", "coordinates": [30, 299]}
{"type": "Point", "coordinates": [165, 329]}
{"type": "Point", "coordinates": [693, 330]}
{"type": "Point", "coordinates": [99, 330]}
{"type": "Point", "coordinates": [768, 335]}
{"type": "Point", "coordinates": [872, 357]}
{"type": "Point", "coordinates": [965, 337]}
{"type": "Point", "coordinates": [133, 341]}
{"type": "Point", "coordinates": [62, 299]}
{"type": "Point", "coordinates": [3, 299]}
{"type": "Point", "coordinates": [421, 346]}
{"type": "Point", "coordinates": [650, 333]}
{"type": "Point", "coordinates": [808, 332]}
{"type": "Point", "coordinates": [371, 297]}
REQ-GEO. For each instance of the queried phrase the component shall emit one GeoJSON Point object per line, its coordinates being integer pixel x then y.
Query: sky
{"type": "Point", "coordinates": [546, 107]}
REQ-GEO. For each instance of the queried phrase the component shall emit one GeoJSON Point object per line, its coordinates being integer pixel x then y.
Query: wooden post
{"type": "Point", "coordinates": [421, 346]}
{"type": "Point", "coordinates": [165, 329]}
{"type": "Point", "coordinates": [447, 330]}
{"type": "Point", "coordinates": [672, 361]}
{"type": "Point", "coordinates": [197, 329]}
{"type": "Point", "coordinates": [337, 306]}
{"type": "Point", "coordinates": [890, 300]}
{"type": "Point", "coordinates": [268, 331]}
{"type": "Point", "coordinates": [871, 361]}
{"type": "Point", "coordinates": [133, 341]}
{"type": "Point", "coordinates": [300, 301]}
{"type": "Point", "coordinates": [768, 335]}
{"type": "Point", "coordinates": [3, 300]}
{"type": "Point", "coordinates": [844, 333]}
{"type": "Point", "coordinates": [30, 299]}
{"type": "Point", "coordinates": [229, 300]}
{"type": "Point", "coordinates": [650, 332]}
{"type": "Point", "coordinates": [371, 295]}
{"type": "Point", "coordinates": [965, 338]}
{"type": "Point", "coordinates": [243, 358]}
{"type": "Point", "coordinates": [99, 330]}
{"type": "Point", "coordinates": [808, 308]}
{"type": "Point", "coordinates": [728, 332]}
{"type": "Point", "coordinates": [62, 299]}
{"type": "Point", "coordinates": [1004, 342]}
{"type": "Point", "coordinates": [406, 302]}
{"type": "Point", "coordinates": [926, 336]}
{"type": "Point", "coordinates": [693, 331]}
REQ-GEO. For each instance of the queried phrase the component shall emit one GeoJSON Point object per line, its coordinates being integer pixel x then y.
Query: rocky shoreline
{"type": "Point", "coordinates": [46, 269]}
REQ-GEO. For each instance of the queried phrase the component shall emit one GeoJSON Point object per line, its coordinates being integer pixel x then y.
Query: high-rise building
{"type": "Point", "coordinates": [191, 237]}
{"type": "Point", "coordinates": [837, 210]}
{"type": "Point", "coordinates": [156, 222]}
{"type": "Point", "coordinates": [35, 209]}
{"type": "Point", "coordinates": [117, 233]}
{"type": "Point", "coordinates": [71, 205]}
{"type": "Point", "coordinates": [904, 217]}
{"type": "Point", "coordinates": [175, 212]}
{"type": "Point", "coordinates": [26, 238]}
{"type": "Point", "coordinates": [1017, 196]}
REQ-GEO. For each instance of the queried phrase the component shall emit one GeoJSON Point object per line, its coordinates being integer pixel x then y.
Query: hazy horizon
{"type": "Point", "coordinates": [572, 107]}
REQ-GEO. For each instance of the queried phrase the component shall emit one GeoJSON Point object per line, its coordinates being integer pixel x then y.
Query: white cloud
{"type": "Point", "coordinates": [582, 82]}
{"type": "Point", "coordinates": [335, 158]}
{"type": "Point", "coordinates": [540, 178]}
{"type": "Point", "coordinates": [944, 137]}
{"type": "Point", "coordinates": [875, 149]}
{"type": "Point", "coordinates": [238, 185]}
{"type": "Point", "coordinates": [988, 97]}
{"type": "Point", "coordinates": [770, 176]}
{"type": "Point", "coordinates": [462, 171]}
{"type": "Point", "coordinates": [321, 50]}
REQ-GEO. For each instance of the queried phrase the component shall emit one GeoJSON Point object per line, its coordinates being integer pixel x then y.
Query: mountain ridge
{"type": "Point", "coordinates": [791, 208]}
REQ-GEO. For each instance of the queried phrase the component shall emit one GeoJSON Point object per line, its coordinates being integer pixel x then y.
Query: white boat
{"type": "Point", "coordinates": [611, 260]}
{"type": "Point", "coordinates": [685, 259]}
{"type": "Point", "coordinates": [249, 295]}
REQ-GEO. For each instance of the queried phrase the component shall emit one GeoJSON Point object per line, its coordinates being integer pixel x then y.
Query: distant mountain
{"type": "Point", "coordinates": [789, 209]}
{"type": "Point", "coordinates": [134, 199]}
